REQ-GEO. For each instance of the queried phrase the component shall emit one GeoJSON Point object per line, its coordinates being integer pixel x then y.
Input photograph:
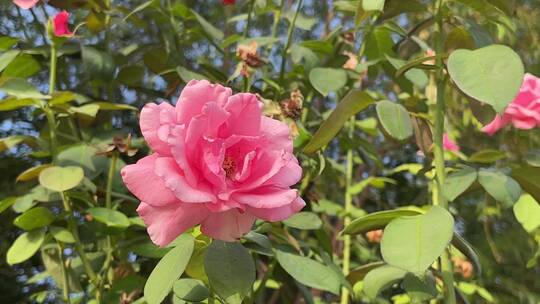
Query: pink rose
{"type": "Point", "coordinates": [25, 4]}
{"type": "Point", "coordinates": [60, 25]}
{"type": "Point", "coordinates": [523, 112]}
{"type": "Point", "coordinates": [217, 162]}
{"type": "Point", "coordinates": [449, 144]}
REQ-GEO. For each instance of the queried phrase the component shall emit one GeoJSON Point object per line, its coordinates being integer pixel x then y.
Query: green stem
{"type": "Point", "coordinates": [48, 112]}
{"type": "Point", "coordinates": [440, 170]}
{"type": "Point", "coordinates": [250, 15]}
{"type": "Point", "coordinates": [63, 269]}
{"type": "Point", "coordinates": [289, 40]}
{"type": "Point", "coordinates": [72, 227]}
{"type": "Point", "coordinates": [52, 72]}
{"type": "Point", "coordinates": [347, 218]}
{"type": "Point", "coordinates": [110, 179]}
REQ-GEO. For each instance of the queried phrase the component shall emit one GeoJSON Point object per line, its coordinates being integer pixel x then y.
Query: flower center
{"type": "Point", "coordinates": [229, 165]}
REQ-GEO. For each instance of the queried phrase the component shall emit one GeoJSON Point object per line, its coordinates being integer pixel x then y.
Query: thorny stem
{"type": "Point", "coordinates": [446, 263]}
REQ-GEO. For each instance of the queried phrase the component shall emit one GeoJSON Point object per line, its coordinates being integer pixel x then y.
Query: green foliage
{"type": "Point", "coordinates": [491, 74]}
{"type": "Point", "coordinates": [168, 270]}
{"type": "Point", "coordinates": [413, 243]}
{"type": "Point", "coordinates": [230, 269]}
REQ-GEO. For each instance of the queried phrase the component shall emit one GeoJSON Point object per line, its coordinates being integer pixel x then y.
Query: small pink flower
{"type": "Point", "coordinates": [60, 25]}
{"type": "Point", "coordinates": [25, 4]}
{"type": "Point", "coordinates": [217, 162]}
{"type": "Point", "coordinates": [523, 112]}
{"type": "Point", "coordinates": [449, 144]}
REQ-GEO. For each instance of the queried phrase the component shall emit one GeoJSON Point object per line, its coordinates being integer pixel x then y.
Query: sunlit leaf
{"type": "Point", "coordinates": [492, 74]}
{"type": "Point", "coordinates": [351, 104]}
{"type": "Point", "coordinates": [415, 242]}
{"type": "Point", "coordinates": [168, 270]}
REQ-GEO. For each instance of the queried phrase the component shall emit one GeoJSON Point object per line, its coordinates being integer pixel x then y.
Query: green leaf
{"type": "Point", "coordinates": [373, 5]}
{"type": "Point", "coordinates": [230, 270]}
{"type": "Point", "coordinates": [7, 57]}
{"type": "Point", "coordinates": [500, 186]}
{"type": "Point", "coordinates": [457, 182]}
{"type": "Point", "coordinates": [304, 220]}
{"type": "Point", "coordinates": [190, 290]}
{"type": "Point", "coordinates": [351, 104]}
{"type": "Point", "coordinates": [98, 64]}
{"type": "Point", "coordinates": [62, 234]}
{"type": "Point", "coordinates": [413, 243]}
{"type": "Point", "coordinates": [309, 272]}
{"type": "Point", "coordinates": [89, 110]}
{"type": "Point", "coordinates": [378, 44]}
{"type": "Point", "coordinates": [378, 220]}
{"type": "Point", "coordinates": [381, 278]}
{"type": "Point", "coordinates": [527, 212]}
{"type": "Point", "coordinates": [62, 97]}
{"type": "Point", "coordinates": [131, 75]}
{"type": "Point", "coordinates": [209, 29]}
{"type": "Point", "coordinates": [258, 243]}
{"type": "Point", "coordinates": [419, 289]}
{"type": "Point", "coordinates": [168, 270]}
{"type": "Point", "coordinates": [13, 103]}
{"type": "Point", "coordinates": [61, 178]}
{"type": "Point", "coordinates": [23, 66]}
{"type": "Point", "coordinates": [34, 218]}
{"type": "Point", "coordinates": [395, 119]}
{"type": "Point", "coordinates": [6, 203]}
{"type": "Point", "coordinates": [20, 88]}
{"type": "Point", "coordinates": [11, 141]}
{"type": "Point", "coordinates": [7, 42]}
{"type": "Point", "coordinates": [491, 74]}
{"type": "Point", "coordinates": [25, 246]}
{"type": "Point", "coordinates": [188, 75]}
{"type": "Point", "coordinates": [487, 156]}
{"type": "Point", "coordinates": [109, 217]}
{"type": "Point", "coordinates": [109, 106]}
{"type": "Point", "coordinates": [149, 250]}
{"type": "Point", "coordinates": [358, 274]}
{"type": "Point", "coordinates": [528, 179]}
{"type": "Point", "coordinates": [326, 80]}
{"type": "Point", "coordinates": [416, 76]}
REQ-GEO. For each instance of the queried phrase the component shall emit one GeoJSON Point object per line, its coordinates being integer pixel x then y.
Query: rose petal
{"type": "Point", "coordinates": [227, 226]}
{"type": "Point", "coordinates": [25, 4]}
{"type": "Point", "coordinates": [495, 125]}
{"type": "Point", "coordinates": [288, 175]}
{"type": "Point", "coordinates": [165, 223]}
{"type": "Point", "coordinates": [279, 213]}
{"type": "Point", "coordinates": [195, 95]}
{"type": "Point", "coordinates": [276, 134]}
{"type": "Point", "coordinates": [245, 119]}
{"type": "Point", "coordinates": [168, 170]}
{"type": "Point", "coordinates": [153, 119]}
{"type": "Point", "coordinates": [266, 197]}
{"type": "Point", "coordinates": [143, 182]}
